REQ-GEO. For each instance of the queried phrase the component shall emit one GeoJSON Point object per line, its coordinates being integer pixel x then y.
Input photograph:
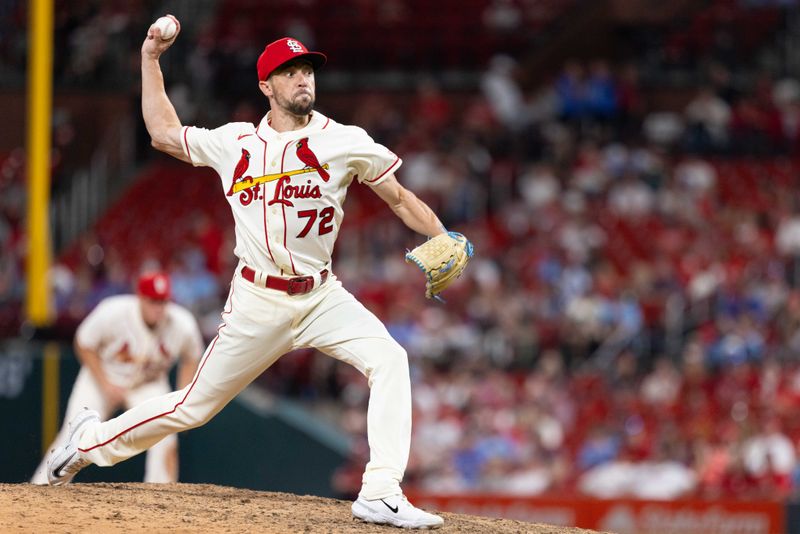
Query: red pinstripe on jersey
{"type": "Point", "coordinates": [283, 208]}
{"type": "Point", "coordinates": [384, 172]}
{"type": "Point", "coordinates": [264, 196]}
{"type": "Point", "coordinates": [185, 142]}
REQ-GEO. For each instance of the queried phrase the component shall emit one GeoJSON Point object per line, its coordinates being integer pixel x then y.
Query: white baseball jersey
{"type": "Point", "coordinates": [286, 189]}
{"type": "Point", "coordinates": [131, 353]}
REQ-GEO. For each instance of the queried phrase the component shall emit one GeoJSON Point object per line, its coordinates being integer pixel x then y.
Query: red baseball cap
{"type": "Point", "coordinates": [279, 52]}
{"type": "Point", "coordinates": [154, 285]}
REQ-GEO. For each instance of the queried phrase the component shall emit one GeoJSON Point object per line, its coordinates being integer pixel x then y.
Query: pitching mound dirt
{"type": "Point", "coordinates": [176, 508]}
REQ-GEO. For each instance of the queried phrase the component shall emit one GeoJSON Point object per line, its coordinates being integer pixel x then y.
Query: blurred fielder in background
{"type": "Point", "coordinates": [126, 347]}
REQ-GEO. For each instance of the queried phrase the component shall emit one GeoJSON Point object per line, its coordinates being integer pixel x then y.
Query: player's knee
{"type": "Point", "coordinates": [393, 357]}
{"type": "Point", "coordinates": [195, 416]}
{"type": "Point", "coordinates": [203, 418]}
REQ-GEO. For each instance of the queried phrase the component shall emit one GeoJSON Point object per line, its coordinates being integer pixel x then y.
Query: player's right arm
{"type": "Point", "coordinates": [90, 359]}
{"type": "Point", "coordinates": [89, 337]}
{"type": "Point", "coordinates": [191, 350]}
{"type": "Point", "coordinates": [160, 118]}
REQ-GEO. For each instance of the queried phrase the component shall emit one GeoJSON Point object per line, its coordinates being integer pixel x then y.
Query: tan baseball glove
{"type": "Point", "coordinates": [442, 259]}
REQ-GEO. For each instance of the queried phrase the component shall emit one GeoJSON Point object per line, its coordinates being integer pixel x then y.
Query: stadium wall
{"type": "Point", "coordinates": [626, 516]}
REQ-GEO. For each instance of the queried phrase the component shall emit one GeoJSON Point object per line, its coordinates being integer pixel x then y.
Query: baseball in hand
{"type": "Point", "coordinates": [167, 26]}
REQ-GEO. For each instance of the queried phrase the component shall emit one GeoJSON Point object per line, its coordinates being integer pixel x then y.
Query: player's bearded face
{"type": "Point", "coordinates": [293, 88]}
{"type": "Point", "coordinates": [298, 102]}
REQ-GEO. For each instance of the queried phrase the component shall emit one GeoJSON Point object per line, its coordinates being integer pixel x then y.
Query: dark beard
{"type": "Point", "coordinates": [295, 107]}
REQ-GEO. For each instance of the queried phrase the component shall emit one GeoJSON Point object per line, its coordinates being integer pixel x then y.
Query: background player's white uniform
{"type": "Point", "coordinates": [135, 358]}
{"type": "Point", "coordinates": [285, 226]}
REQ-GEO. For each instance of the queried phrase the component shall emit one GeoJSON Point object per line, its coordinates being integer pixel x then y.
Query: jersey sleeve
{"type": "Point", "coordinates": [93, 328]}
{"type": "Point", "coordinates": [206, 148]}
{"type": "Point", "coordinates": [370, 162]}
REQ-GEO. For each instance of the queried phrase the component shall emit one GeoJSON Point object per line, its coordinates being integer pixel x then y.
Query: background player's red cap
{"type": "Point", "coordinates": [279, 52]}
{"type": "Point", "coordinates": [154, 285]}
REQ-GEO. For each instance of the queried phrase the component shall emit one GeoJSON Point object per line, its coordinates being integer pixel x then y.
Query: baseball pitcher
{"type": "Point", "coordinates": [285, 180]}
{"type": "Point", "coordinates": [126, 347]}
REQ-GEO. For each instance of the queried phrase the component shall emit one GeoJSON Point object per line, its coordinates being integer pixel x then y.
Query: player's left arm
{"type": "Point", "coordinates": [408, 207]}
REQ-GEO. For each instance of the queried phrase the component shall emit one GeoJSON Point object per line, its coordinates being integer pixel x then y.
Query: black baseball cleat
{"type": "Point", "coordinates": [395, 511]}
{"type": "Point", "coordinates": [66, 460]}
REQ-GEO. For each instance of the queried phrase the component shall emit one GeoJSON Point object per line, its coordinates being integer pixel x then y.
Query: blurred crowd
{"type": "Point", "coordinates": [629, 326]}
{"type": "Point", "coordinates": [678, 430]}
{"type": "Point", "coordinates": [630, 323]}
{"type": "Point", "coordinates": [96, 44]}
{"type": "Point", "coordinates": [12, 232]}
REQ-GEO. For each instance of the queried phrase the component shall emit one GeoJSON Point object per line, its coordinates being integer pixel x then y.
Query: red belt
{"type": "Point", "coordinates": [299, 285]}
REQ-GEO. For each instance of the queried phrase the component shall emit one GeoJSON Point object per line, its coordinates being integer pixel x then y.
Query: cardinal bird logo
{"type": "Point", "coordinates": [124, 354]}
{"type": "Point", "coordinates": [240, 169]}
{"type": "Point", "coordinates": [308, 157]}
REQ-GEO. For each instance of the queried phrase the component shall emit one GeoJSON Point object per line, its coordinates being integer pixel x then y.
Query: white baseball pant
{"type": "Point", "coordinates": [259, 326]}
{"type": "Point", "coordinates": [161, 464]}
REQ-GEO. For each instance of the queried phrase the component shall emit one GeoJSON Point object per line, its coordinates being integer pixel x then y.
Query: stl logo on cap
{"type": "Point", "coordinates": [154, 285]}
{"type": "Point", "coordinates": [294, 46]}
{"type": "Point", "coordinates": [283, 50]}
{"type": "Point", "coordinates": [160, 284]}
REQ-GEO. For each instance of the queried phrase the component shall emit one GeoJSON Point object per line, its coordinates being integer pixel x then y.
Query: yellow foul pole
{"type": "Point", "coordinates": [40, 101]}
{"type": "Point", "coordinates": [37, 296]}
